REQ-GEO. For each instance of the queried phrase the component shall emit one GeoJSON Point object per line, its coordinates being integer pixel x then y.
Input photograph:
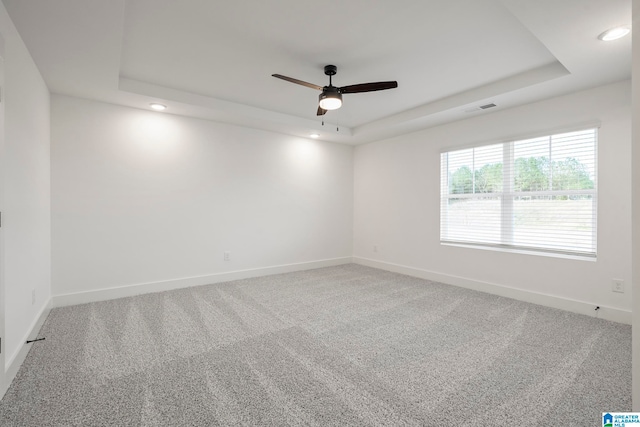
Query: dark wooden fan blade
{"type": "Point", "coordinates": [368, 87]}
{"type": "Point", "coordinates": [300, 82]}
{"type": "Point", "coordinates": [321, 111]}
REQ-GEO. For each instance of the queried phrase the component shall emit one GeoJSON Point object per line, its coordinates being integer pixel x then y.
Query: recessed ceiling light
{"type": "Point", "coordinates": [614, 33]}
{"type": "Point", "coordinates": [158, 107]}
{"type": "Point", "coordinates": [315, 135]}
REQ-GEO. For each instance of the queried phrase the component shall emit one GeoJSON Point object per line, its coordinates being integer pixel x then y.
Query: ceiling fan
{"type": "Point", "coordinates": [331, 96]}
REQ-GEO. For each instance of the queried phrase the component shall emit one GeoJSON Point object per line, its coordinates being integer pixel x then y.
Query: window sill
{"type": "Point", "coordinates": [522, 251]}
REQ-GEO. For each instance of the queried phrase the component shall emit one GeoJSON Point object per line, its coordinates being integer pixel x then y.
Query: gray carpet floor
{"type": "Point", "coordinates": [337, 346]}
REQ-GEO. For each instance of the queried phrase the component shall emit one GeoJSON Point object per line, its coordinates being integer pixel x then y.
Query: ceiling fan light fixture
{"type": "Point", "coordinates": [330, 100]}
{"type": "Point", "coordinates": [614, 33]}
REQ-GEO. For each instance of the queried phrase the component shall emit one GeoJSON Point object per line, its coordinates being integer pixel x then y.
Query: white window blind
{"type": "Point", "coordinates": [534, 194]}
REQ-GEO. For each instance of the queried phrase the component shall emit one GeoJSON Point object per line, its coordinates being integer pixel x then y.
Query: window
{"type": "Point", "coordinates": [534, 194]}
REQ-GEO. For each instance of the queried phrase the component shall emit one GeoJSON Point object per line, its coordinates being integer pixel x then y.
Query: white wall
{"type": "Point", "coordinates": [26, 219]}
{"type": "Point", "coordinates": [141, 198]}
{"type": "Point", "coordinates": [636, 207]}
{"type": "Point", "coordinates": [397, 205]}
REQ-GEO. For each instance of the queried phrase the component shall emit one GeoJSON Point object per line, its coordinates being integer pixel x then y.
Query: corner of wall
{"type": "Point", "coordinates": [15, 360]}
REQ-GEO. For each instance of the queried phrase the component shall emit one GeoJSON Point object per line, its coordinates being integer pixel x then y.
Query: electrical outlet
{"type": "Point", "coordinates": [617, 285]}
{"type": "Point", "coordinates": [227, 256]}
{"type": "Point", "coordinates": [33, 296]}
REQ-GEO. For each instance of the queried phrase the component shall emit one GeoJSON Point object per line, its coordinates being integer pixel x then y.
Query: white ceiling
{"type": "Point", "coordinates": [214, 59]}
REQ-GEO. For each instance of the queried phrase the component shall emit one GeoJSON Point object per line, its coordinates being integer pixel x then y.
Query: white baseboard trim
{"type": "Point", "coordinates": [167, 285]}
{"type": "Point", "coordinates": [13, 364]}
{"type": "Point", "coordinates": [575, 306]}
